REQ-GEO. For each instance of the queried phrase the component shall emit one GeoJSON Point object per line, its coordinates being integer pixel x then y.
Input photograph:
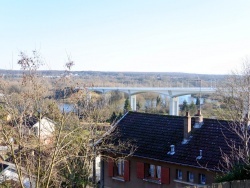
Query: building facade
{"type": "Point", "coordinates": [169, 151]}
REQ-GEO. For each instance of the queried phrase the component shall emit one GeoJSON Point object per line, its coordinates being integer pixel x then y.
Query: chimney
{"type": "Point", "coordinates": [198, 120]}
{"type": "Point", "coordinates": [187, 128]}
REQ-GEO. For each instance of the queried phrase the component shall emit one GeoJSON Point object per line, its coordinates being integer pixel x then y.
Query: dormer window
{"type": "Point", "coordinates": [172, 150]}
{"type": "Point", "coordinates": [200, 156]}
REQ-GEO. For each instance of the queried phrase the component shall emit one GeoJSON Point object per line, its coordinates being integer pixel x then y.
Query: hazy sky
{"type": "Point", "coordinates": [195, 36]}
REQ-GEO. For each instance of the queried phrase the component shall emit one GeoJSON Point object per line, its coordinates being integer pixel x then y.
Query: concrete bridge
{"type": "Point", "coordinates": [172, 92]}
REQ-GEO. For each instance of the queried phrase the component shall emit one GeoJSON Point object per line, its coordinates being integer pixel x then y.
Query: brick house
{"type": "Point", "coordinates": [171, 151]}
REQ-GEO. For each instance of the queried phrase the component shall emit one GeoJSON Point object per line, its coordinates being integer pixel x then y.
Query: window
{"type": "Point", "coordinates": [190, 176]}
{"type": "Point", "coordinates": [153, 173]}
{"type": "Point", "coordinates": [179, 174]}
{"type": "Point", "coordinates": [202, 179]}
{"type": "Point", "coordinates": [119, 169]}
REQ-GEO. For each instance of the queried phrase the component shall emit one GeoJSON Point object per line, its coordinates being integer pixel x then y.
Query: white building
{"type": "Point", "coordinates": [8, 172]}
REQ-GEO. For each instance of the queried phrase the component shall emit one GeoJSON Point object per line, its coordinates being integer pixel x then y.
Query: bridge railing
{"type": "Point", "coordinates": [150, 85]}
{"type": "Point", "coordinates": [156, 83]}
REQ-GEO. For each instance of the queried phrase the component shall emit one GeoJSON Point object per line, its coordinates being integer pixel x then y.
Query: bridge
{"type": "Point", "coordinates": [172, 92]}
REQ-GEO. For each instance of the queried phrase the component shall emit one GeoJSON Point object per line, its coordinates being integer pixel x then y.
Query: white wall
{"type": "Point", "coordinates": [47, 127]}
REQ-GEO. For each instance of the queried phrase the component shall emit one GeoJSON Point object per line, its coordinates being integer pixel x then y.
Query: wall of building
{"type": "Point", "coordinates": [110, 182]}
{"type": "Point", "coordinates": [47, 128]}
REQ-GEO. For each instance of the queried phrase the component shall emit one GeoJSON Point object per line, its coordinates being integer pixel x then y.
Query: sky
{"type": "Point", "coordinates": [192, 36]}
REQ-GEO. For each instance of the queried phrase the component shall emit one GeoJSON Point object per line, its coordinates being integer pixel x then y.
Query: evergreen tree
{"type": "Point", "coordinates": [192, 108]}
{"type": "Point", "coordinates": [185, 106]}
{"type": "Point", "coordinates": [127, 106]}
{"type": "Point", "coordinates": [120, 115]}
{"type": "Point", "coordinates": [197, 101]}
{"type": "Point", "coordinates": [113, 117]}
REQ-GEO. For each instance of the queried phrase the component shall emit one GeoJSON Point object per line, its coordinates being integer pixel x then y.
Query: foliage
{"type": "Point", "coordinates": [115, 117]}
{"type": "Point", "coordinates": [33, 154]}
{"type": "Point", "coordinates": [234, 96]}
{"type": "Point", "coordinates": [192, 108]}
{"type": "Point", "coordinates": [158, 101]}
{"type": "Point", "coordinates": [188, 107]}
{"type": "Point", "coordinates": [138, 105]}
{"type": "Point", "coordinates": [185, 106]}
{"type": "Point", "coordinates": [127, 106]}
{"type": "Point", "coordinates": [63, 158]}
{"type": "Point", "coordinates": [238, 172]}
{"type": "Point", "coordinates": [10, 184]}
{"type": "Point", "coordinates": [197, 103]}
{"type": "Point", "coordinates": [116, 97]}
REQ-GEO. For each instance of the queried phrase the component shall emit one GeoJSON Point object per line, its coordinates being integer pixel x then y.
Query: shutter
{"type": "Point", "coordinates": [110, 167]}
{"type": "Point", "coordinates": [126, 170]}
{"type": "Point", "coordinates": [165, 175]}
{"type": "Point", "coordinates": [140, 170]}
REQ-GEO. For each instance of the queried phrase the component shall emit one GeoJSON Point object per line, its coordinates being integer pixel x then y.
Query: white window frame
{"type": "Point", "coordinates": [120, 167]}
{"type": "Point", "coordinates": [158, 172]}
{"type": "Point", "coordinates": [154, 171]}
{"type": "Point", "coordinates": [202, 178]}
{"type": "Point", "coordinates": [190, 176]}
{"type": "Point", "coordinates": [179, 174]}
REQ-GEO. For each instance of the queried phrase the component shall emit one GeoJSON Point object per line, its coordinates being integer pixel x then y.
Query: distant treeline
{"type": "Point", "coordinates": [136, 79]}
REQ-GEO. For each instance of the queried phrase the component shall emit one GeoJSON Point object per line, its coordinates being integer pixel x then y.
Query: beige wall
{"type": "Point", "coordinates": [139, 183]}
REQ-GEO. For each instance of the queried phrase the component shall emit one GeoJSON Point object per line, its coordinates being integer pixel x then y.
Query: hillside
{"type": "Point", "coordinates": [136, 79]}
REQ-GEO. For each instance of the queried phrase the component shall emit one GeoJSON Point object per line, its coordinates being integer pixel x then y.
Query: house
{"type": "Point", "coordinates": [44, 126]}
{"type": "Point", "coordinates": [9, 173]}
{"type": "Point", "coordinates": [171, 151]}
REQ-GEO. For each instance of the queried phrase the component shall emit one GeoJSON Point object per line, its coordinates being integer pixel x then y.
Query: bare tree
{"type": "Point", "coordinates": [33, 157]}
{"type": "Point", "coordinates": [234, 96]}
{"type": "Point", "coordinates": [65, 157]}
